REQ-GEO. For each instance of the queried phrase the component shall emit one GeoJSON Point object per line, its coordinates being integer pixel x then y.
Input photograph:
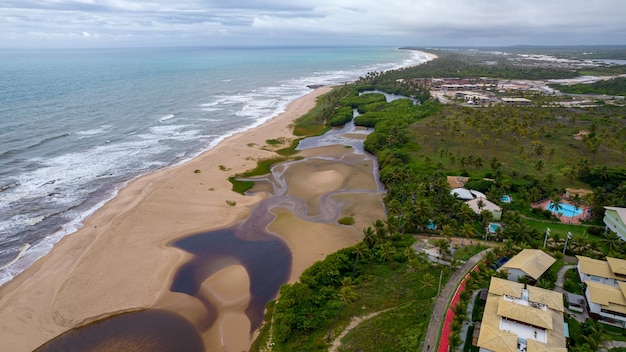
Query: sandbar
{"type": "Point", "coordinates": [119, 261]}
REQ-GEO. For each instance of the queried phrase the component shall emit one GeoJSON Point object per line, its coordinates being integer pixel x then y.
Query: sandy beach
{"type": "Point", "coordinates": [120, 260]}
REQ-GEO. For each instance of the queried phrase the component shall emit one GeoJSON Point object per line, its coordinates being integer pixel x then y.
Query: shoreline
{"type": "Point", "coordinates": [127, 238]}
{"type": "Point", "coordinates": [120, 260]}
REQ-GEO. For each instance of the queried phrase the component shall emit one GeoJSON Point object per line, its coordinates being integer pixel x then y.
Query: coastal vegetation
{"type": "Point", "coordinates": [616, 86]}
{"type": "Point", "coordinates": [531, 153]}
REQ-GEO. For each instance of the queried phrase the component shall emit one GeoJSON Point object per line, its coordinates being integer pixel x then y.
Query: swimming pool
{"type": "Point", "coordinates": [493, 227]}
{"type": "Point", "coordinates": [566, 209]}
{"type": "Point", "coordinates": [506, 199]}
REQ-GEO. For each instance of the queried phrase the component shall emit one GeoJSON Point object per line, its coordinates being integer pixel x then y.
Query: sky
{"type": "Point", "coordinates": [139, 23]}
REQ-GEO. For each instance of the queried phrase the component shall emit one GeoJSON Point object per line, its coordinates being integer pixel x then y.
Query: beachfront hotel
{"type": "Point", "coordinates": [529, 263]}
{"type": "Point", "coordinates": [523, 319]}
{"type": "Point", "coordinates": [615, 220]}
{"type": "Point", "coordinates": [606, 288]}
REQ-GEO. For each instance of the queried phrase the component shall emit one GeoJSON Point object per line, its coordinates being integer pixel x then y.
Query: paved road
{"type": "Point", "coordinates": [441, 306]}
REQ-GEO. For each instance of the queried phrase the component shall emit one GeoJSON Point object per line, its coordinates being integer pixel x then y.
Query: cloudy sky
{"type": "Point", "coordinates": [122, 23]}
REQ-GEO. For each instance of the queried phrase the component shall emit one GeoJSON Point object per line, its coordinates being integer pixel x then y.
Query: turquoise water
{"type": "Point", "coordinates": [566, 209]}
{"type": "Point", "coordinates": [493, 227]}
{"type": "Point", "coordinates": [506, 199]}
{"type": "Point", "coordinates": [431, 225]}
{"type": "Point", "coordinates": [76, 125]}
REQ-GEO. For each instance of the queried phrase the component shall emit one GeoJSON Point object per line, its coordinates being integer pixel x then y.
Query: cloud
{"type": "Point", "coordinates": [275, 22]}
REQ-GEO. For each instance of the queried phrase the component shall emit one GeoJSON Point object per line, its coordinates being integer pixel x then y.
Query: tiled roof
{"type": "Point", "coordinates": [533, 262]}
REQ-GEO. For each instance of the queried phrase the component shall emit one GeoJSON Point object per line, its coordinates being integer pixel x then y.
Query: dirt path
{"type": "Point", "coordinates": [353, 323]}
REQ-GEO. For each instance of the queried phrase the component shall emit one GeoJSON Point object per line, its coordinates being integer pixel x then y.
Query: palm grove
{"type": "Point", "coordinates": [527, 152]}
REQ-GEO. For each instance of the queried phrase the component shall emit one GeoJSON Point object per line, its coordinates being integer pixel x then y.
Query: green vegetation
{"type": "Point", "coordinates": [196, 171]}
{"type": "Point", "coordinates": [381, 274]}
{"type": "Point", "coordinates": [289, 151]}
{"type": "Point", "coordinates": [465, 64]}
{"type": "Point", "coordinates": [616, 86]}
{"type": "Point", "coordinates": [279, 141]}
{"type": "Point", "coordinates": [240, 186]}
{"type": "Point", "coordinates": [348, 220]}
{"type": "Point", "coordinates": [263, 168]}
{"type": "Point", "coordinates": [527, 152]}
{"type": "Point", "coordinates": [585, 337]}
{"type": "Point", "coordinates": [572, 282]}
{"type": "Point", "coordinates": [231, 203]}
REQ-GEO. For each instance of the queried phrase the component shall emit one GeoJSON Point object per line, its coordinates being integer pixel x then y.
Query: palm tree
{"type": "Point", "coordinates": [369, 237]}
{"type": "Point", "coordinates": [347, 295]}
{"type": "Point", "coordinates": [443, 246]}
{"type": "Point", "coordinates": [467, 230]}
{"type": "Point", "coordinates": [555, 201]}
{"type": "Point", "coordinates": [427, 283]}
{"type": "Point", "coordinates": [446, 231]}
{"type": "Point", "coordinates": [386, 251]}
{"type": "Point", "coordinates": [612, 241]}
{"type": "Point", "coordinates": [360, 249]}
{"type": "Point", "coordinates": [480, 204]}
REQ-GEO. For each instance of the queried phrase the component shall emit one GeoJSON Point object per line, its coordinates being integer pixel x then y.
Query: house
{"type": "Point", "coordinates": [615, 220]}
{"type": "Point", "coordinates": [609, 272]}
{"type": "Point", "coordinates": [531, 263]}
{"type": "Point", "coordinates": [486, 205]}
{"type": "Point", "coordinates": [606, 288]}
{"type": "Point", "coordinates": [462, 193]}
{"type": "Point", "coordinates": [607, 302]}
{"type": "Point", "coordinates": [516, 101]}
{"type": "Point", "coordinates": [521, 319]}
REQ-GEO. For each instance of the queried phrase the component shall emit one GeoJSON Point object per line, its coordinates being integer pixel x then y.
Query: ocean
{"type": "Point", "coordinates": [78, 125]}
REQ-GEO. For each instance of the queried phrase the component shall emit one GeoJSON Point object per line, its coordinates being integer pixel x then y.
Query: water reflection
{"type": "Point", "coordinates": [143, 331]}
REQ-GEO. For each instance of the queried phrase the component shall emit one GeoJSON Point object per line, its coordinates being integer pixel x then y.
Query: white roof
{"type": "Point", "coordinates": [478, 194]}
{"type": "Point", "coordinates": [462, 193]}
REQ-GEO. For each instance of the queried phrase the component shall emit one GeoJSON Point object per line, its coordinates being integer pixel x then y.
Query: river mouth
{"type": "Point", "coordinates": [233, 272]}
{"type": "Point", "coordinates": [149, 330]}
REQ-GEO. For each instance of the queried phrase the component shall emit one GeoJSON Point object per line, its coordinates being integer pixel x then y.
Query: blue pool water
{"type": "Point", "coordinates": [493, 227]}
{"type": "Point", "coordinates": [431, 225]}
{"type": "Point", "coordinates": [566, 209]}
{"type": "Point", "coordinates": [506, 199]}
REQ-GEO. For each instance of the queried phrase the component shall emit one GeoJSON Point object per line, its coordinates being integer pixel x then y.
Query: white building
{"type": "Point", "coordinates": [615, 220]}
{"type": "Point", "coordinates": [521, 319]}
{"type": "Point", "coordinates": [606, 288]}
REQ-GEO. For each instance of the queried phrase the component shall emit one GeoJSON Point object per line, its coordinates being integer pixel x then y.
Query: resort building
{"type": "Point", "coordinates": [609, 272]}
{"type": "Point", "coordinates": [607, 302]}
{"type": "Point", "coordinates": [530, 263]}
{"type": "Point", "coordinates": [521, 319]}
{"type": "Point", "coordinates": [516, 101]}
{"type": "Point", "coordinates": [615, 220]}
{"type": "Point", "coordinates": [606, 288]}
{"type": "Point", "coordinates": [486, 205]}
{"type": "Point", "coordinates": [465, 194]}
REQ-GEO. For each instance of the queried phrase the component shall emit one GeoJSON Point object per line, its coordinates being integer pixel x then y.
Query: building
{"type": "Point", "coordinates": [531, 263]}
{"type": "Point", "coordinates": [516, 101]}
{"type": "Point", "coordinates": [609, 272]}
{"type": "Point", "coordinates": [487, 205]}
{"type": "Point", "coordinates": [607, 302]}
{"type": "Point", "coordinates": [521, 319]}
{"type": "Point", "coordinates": [606, 288]}
{"type": "Point", "coordinates": [615, 220]}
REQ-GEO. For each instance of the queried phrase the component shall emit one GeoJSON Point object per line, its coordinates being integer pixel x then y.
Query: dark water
{"type": "Point", "coordinates": [265, 257]}
{"type": "Point", "coordinates": [144, 331]}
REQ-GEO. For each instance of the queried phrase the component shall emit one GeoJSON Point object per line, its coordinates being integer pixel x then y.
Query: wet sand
{"type": "Point", "coordinates": [126, 257]}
